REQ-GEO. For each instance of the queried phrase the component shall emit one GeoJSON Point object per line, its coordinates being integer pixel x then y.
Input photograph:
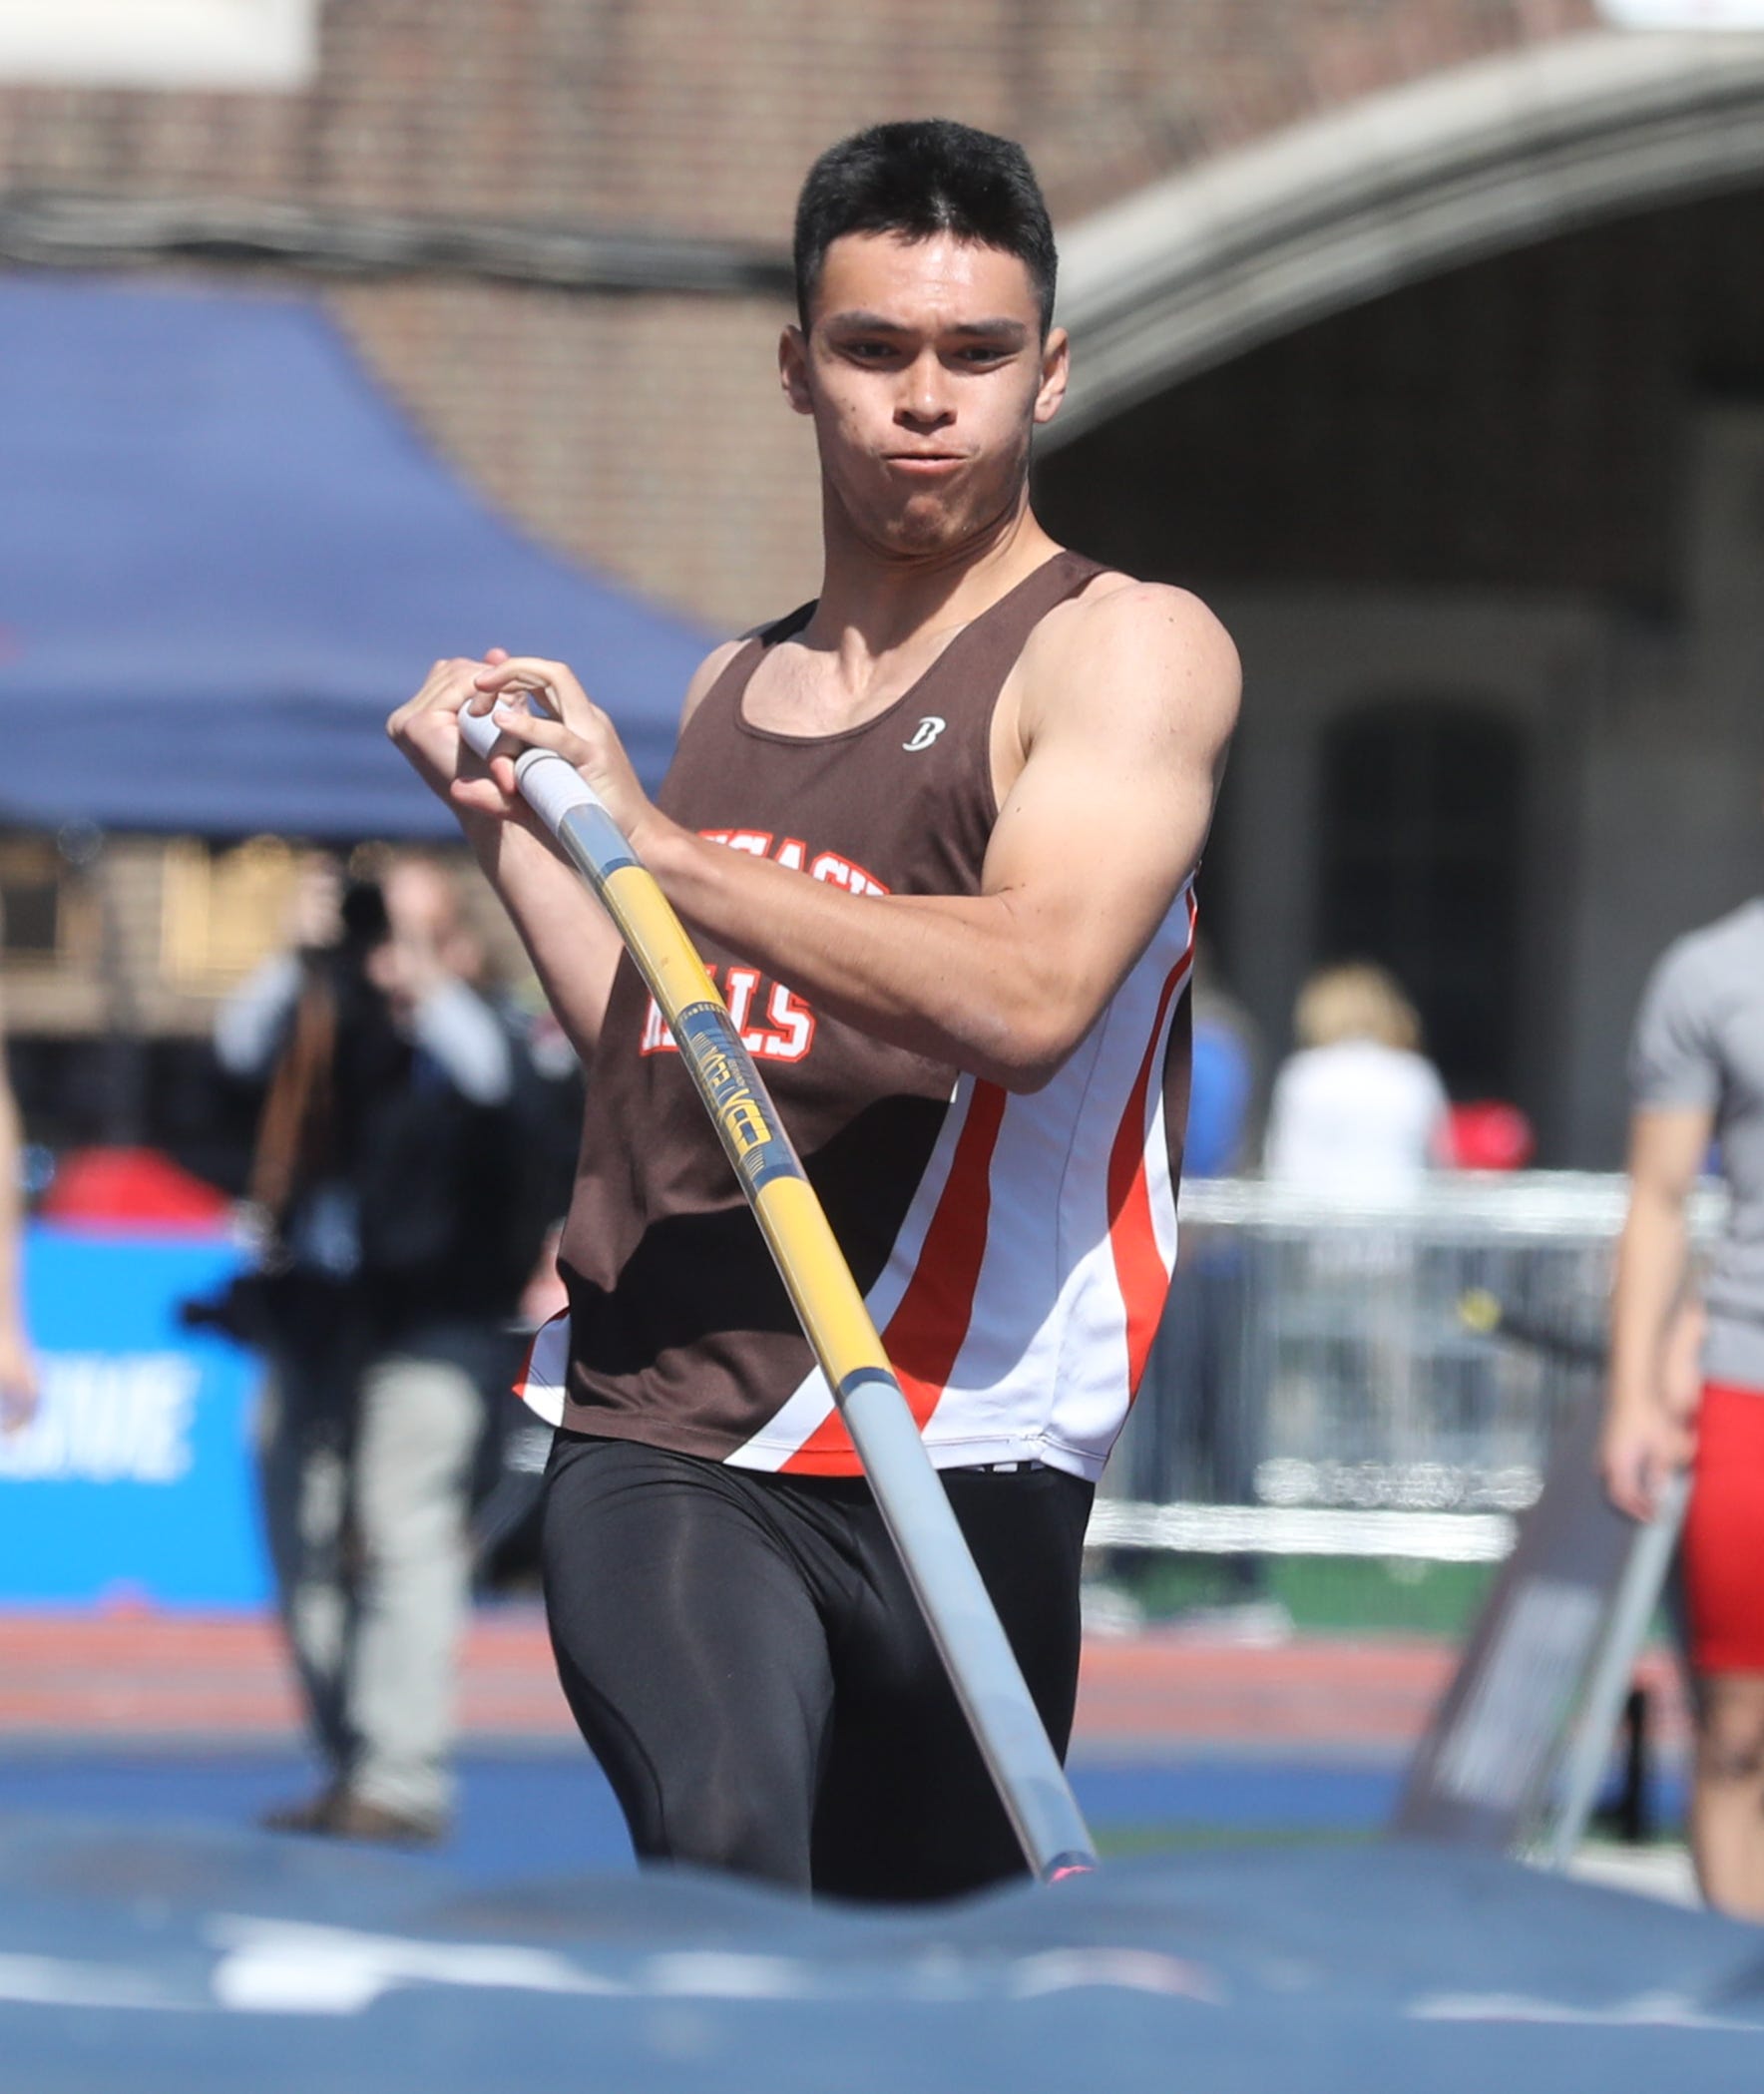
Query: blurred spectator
{"type": "Point", "coordinates": [1358, 1112]}
{"type": "Point", "coordinates": [395, 1168]}
{"type": "Point", "coordinates": [18, 1374]}
{"type": "Point", "coordinates": [1696, 1072]}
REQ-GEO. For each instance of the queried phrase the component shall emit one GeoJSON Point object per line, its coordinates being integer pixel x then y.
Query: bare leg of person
{"type": "Point", "coordinates": [1727, 1801]}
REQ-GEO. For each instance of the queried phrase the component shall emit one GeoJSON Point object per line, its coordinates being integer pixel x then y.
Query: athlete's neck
{"type": "Point", "coordinates": [876, 599]}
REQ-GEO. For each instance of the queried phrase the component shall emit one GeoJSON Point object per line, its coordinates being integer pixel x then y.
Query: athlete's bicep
{"type": "Point", "coordinates": [1126, 733]}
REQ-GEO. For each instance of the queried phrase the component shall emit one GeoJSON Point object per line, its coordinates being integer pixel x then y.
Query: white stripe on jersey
{"type": "Point", "coordinates": [1041, 1373]}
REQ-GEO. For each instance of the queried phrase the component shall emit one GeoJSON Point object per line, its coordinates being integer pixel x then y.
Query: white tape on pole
{"type": "Point", "coordinates": [549, 785]}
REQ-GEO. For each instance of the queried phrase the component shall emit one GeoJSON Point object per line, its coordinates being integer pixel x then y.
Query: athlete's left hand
{"type": "Point", "coordinates": [576, 729]}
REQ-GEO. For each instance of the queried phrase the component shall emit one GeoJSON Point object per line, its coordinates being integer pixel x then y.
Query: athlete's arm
{"type": "Point", "coordinates": [1646, 1434]}
{"type": "Point", "coordinates": [568, 937]}
{"type": "Point", "coordinates": [1126, 707]}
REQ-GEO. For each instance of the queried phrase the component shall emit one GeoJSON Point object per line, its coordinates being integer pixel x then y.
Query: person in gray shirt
{"type": "Point", "coordinates": [1696, 1077]}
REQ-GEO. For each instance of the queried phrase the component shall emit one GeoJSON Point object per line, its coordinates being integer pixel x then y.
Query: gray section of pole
{"type": "Point", "coordinates": [964, 1625]}
{"type": "Point", "coordinates": [1637, 1594]}
{"type": "Point", "coordinates": [595, 845]}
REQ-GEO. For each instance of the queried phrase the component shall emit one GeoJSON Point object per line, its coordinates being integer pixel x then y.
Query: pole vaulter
{"type": "Point", "coordinates": [939, 1566]}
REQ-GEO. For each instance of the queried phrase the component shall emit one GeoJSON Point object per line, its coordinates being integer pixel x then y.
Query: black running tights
{"type": "Point", "coordinates": [745, 1659]}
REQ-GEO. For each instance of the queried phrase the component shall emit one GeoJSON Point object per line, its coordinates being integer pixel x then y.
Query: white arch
{"type": "Point", "coordinates": [1489, 156]}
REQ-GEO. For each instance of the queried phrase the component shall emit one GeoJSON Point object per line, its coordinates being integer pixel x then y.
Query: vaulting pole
{"type": "Point", "coordinates": [957, 1607]}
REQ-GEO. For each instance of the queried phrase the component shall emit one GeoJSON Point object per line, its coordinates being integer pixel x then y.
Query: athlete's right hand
{"type": "Point", "coordinates": [1642, 1445]}
{"type": "Point", "coordinates": [425, 730]}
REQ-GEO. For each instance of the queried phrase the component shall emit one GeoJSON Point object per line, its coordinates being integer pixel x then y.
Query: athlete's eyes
{"type": "Point", "coordinates": [973, 356]}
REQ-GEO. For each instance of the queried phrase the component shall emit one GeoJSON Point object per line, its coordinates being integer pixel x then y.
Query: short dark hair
{"type": "Point", "coordinates": [918, 179]}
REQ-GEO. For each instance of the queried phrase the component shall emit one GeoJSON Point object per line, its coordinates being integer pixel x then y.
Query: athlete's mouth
{"type": "Point", "coordinates": [925, 461]}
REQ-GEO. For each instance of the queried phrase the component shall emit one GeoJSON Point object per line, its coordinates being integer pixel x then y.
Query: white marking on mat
{"type": "Point", "coordinates": [1644, 2011]}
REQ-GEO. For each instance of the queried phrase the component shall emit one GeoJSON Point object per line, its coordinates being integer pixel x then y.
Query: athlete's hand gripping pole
{"type": "Point", "coordinates": [956, 1605]}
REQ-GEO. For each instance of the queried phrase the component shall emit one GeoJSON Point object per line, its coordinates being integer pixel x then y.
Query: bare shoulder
{"type": "Point", "coordinates": [705, 676]}
{"type": "Point", "coordinates": [1135, 653]}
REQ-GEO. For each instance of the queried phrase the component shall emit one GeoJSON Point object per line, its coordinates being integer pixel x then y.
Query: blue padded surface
{"type": "Point", "coordinates": [195, 1960]}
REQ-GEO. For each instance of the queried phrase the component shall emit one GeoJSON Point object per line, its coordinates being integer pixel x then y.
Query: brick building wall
{"type": "Point", "coordinates": [640, 432]}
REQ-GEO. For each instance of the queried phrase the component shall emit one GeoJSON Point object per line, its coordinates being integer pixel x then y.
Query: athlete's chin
{"type": "Point", "coordinates": [927, 524]}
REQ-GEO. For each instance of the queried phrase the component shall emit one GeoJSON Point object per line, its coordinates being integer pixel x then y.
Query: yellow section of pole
{"type": "Point", "coordinates": [826, 1295]}
{"type": "Point", "coordinates": [791, 1216]}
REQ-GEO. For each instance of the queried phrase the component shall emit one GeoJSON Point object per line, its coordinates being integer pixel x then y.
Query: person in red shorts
{"type": "Point", "coordinates": [1696, 1077]}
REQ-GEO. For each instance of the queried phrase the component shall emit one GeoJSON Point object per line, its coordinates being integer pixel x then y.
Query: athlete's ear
{"type": "Point", "coordinates": [1056, 369]}
{"type": "Point", "coordinates": [793, 370]}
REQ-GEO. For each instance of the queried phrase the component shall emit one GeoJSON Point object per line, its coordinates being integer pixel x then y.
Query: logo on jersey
{"type": "Point", "coordinates": [926, 732]}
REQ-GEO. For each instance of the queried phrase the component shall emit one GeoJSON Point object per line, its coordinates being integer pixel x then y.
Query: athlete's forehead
{"type": "Point", "coordinates": [941, 284]}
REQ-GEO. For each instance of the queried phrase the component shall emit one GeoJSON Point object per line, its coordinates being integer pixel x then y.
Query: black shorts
{"type": "Point", "coordinates": [746, 1660]}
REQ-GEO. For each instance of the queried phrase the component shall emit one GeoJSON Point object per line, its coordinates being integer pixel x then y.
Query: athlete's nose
{"type": "Point", "coordinates": [924, 401]}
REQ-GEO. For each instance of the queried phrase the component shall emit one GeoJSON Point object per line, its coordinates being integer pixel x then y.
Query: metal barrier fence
{"type": "Point", "coordinates": [1374, 1382]}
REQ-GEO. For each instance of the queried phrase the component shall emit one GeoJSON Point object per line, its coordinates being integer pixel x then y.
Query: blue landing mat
{"type": "Point", "coordinates": [552, 1813]}
{"type": "Point", "coordinates": [182, 1962]}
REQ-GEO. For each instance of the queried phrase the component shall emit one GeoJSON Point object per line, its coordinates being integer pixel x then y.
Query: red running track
{"type": "Point", "coordinates": [166, 1676]}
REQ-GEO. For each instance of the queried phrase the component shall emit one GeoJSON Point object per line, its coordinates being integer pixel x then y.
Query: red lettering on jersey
{"type": "Point", "coordinates": [789, 1028]}
{"type": "Point", "coordinates": [742, 986]}
{"type": "Point", "coordinates": [840, 872]}
{"type": "Point", "coordinates": [795, 1024]}
{"type": "Point", "coordinates": [792, 854]}
{"type": "Point", "coordinates": [789, 1038]}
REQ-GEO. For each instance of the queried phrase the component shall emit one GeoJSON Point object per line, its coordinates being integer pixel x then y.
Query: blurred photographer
{"type": "Point", "coordinates": [393, 1169]}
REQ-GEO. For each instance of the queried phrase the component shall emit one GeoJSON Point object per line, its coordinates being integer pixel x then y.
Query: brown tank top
{"type": "Point", "coordinates": [680, 1333]}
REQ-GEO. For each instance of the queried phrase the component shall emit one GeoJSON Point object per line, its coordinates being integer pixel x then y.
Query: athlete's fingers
{"type": "Point", "coordinates": [538, 733]}
{"type": "Point", "coordinates": [445, 690]}
{"type": "Point", "coordinates": [554, 679]}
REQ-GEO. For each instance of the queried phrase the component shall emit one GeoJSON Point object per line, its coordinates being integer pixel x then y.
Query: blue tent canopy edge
{"type": "Point", "coordinates": [225, 555]}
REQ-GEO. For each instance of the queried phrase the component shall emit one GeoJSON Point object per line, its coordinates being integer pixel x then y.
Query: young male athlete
{"type": "Point", "coordinates": [935, 833]}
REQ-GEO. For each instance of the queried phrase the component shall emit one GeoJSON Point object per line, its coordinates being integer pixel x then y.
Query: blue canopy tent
{"type": "Point", "coordinates": [224, 556]}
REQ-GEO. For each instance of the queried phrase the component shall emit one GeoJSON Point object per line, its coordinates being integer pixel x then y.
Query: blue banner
{"type": "Point", "coordinates": [135, 1481]}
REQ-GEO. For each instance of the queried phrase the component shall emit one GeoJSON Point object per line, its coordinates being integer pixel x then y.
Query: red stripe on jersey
{"type": "Point", "coordinates": [1138, 1264]}
{"type": "Point", "coordinates": [926, 1331]}
{"type": "Point", "coordinates": [518, 1387]}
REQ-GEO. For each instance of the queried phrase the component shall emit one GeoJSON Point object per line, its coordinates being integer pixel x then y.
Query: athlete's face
{"type": "Point", "coordinates": [925, 372]}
